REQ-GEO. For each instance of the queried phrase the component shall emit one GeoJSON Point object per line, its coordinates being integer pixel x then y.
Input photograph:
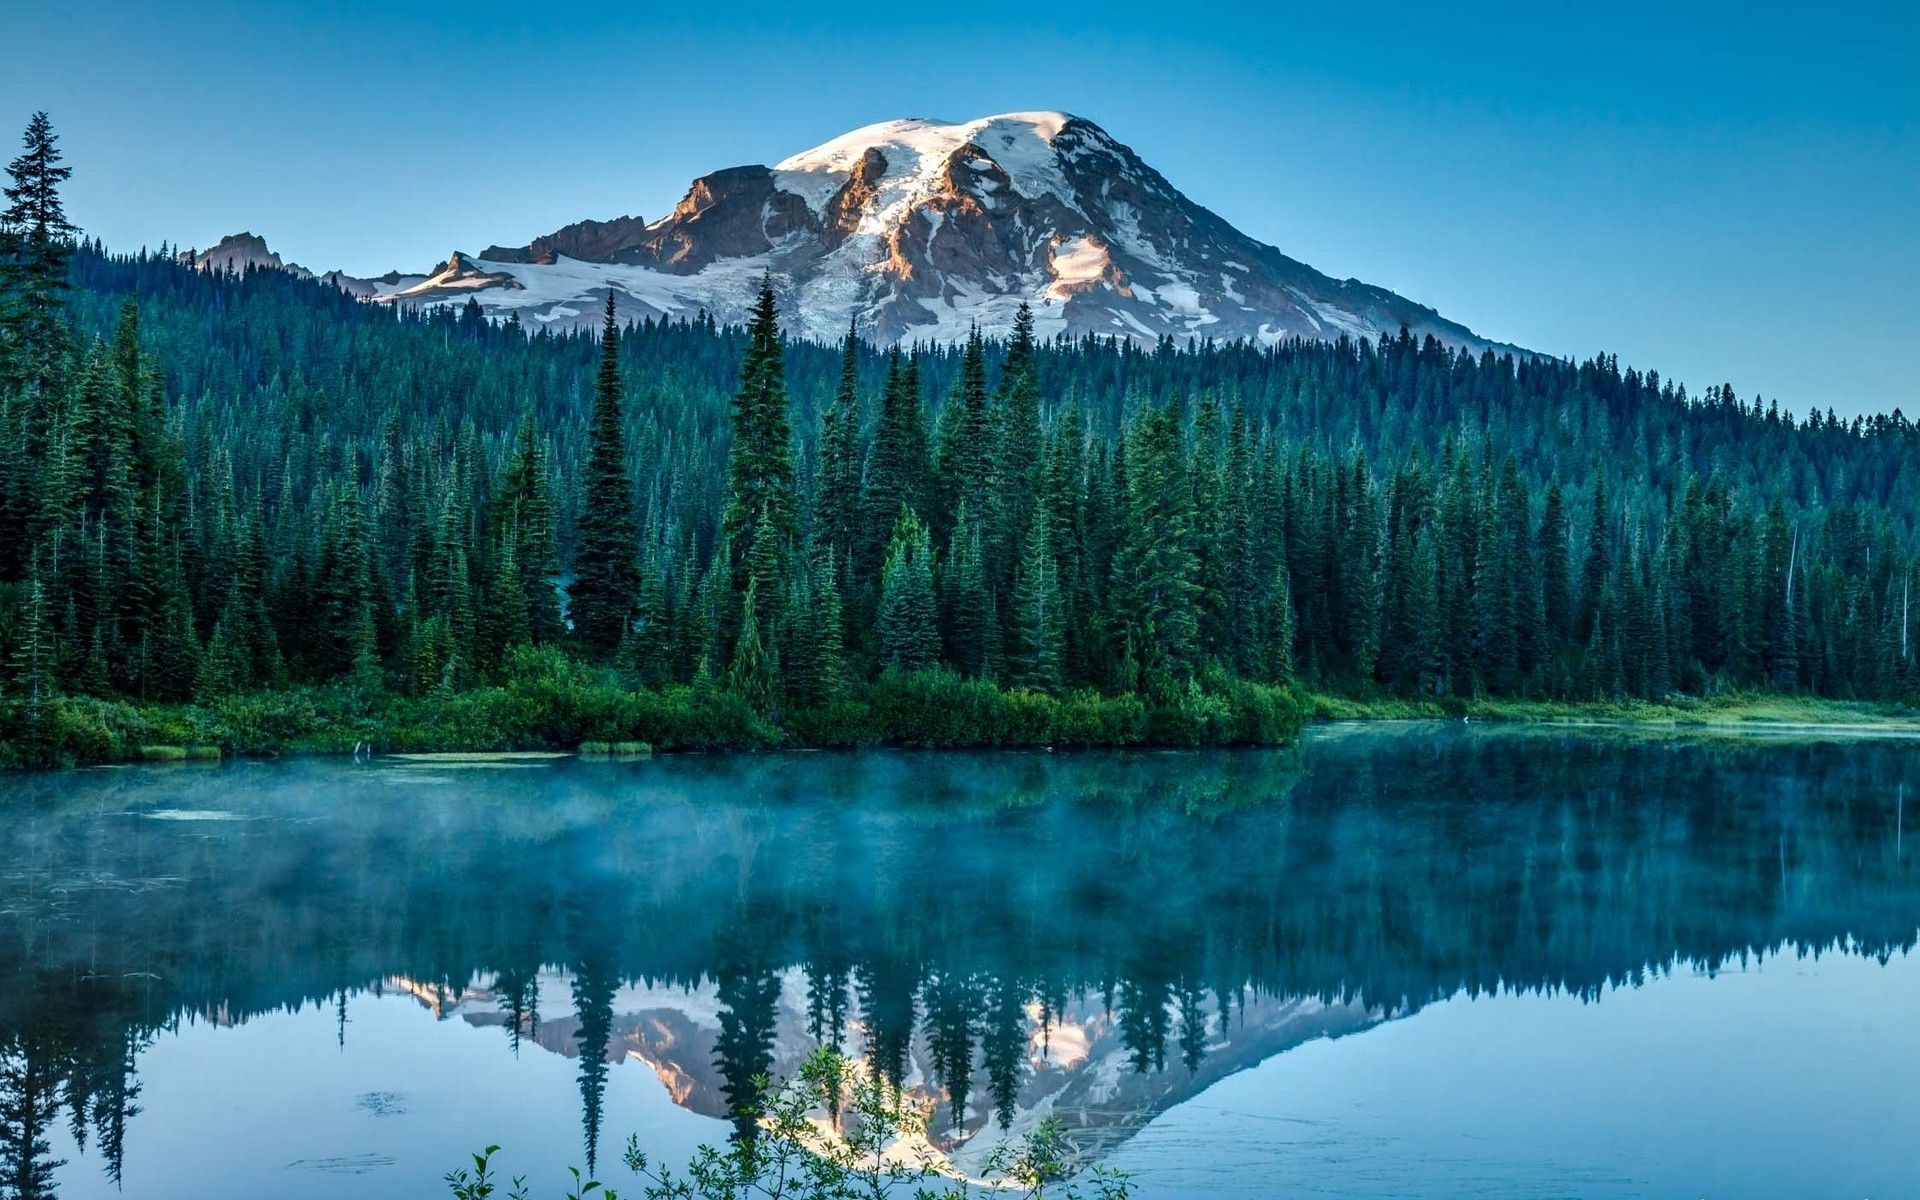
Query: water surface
{"type": "Point", "coordinates": [1394, 962]}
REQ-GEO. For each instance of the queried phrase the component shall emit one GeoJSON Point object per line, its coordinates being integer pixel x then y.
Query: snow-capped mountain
{"type": "Point", "coordinates": [919, 229]}
{"type": "Point", "coordinates": [1077, 1066]}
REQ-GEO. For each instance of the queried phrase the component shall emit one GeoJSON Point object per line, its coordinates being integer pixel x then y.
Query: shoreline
{"type": "Point", "coordinates": [1755, 714]}
{"type": "Point", "coordinates": [930, 711]}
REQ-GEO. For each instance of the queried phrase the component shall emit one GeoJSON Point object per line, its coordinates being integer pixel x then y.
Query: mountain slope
{"type": "Point", "coordinates": [919, 229]}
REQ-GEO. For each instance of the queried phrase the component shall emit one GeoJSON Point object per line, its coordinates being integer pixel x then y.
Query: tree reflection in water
{"type": "Point", "coordinates": [981, 925]}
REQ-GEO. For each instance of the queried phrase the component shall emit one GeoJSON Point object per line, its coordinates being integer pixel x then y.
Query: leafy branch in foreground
{"type": "Point", "coordinates": [832, 1132]}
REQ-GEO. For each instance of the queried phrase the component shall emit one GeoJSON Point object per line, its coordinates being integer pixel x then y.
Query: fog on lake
{"type": "Point", "coordinates": [1410, 961]}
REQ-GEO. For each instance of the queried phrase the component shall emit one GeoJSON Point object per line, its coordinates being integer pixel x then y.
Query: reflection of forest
{"type": "Point", "coordinates": [925, 908]}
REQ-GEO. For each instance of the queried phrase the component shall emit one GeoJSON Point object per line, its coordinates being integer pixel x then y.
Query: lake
{"type": "Point", "coordinates": [1409, 961]}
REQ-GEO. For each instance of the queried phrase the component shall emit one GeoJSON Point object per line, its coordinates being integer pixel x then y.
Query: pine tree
{"type": "Point", "coordinates": [1556, 581]}
{"type": "Point", "coordinates": [1154, 572]}
{"type": "Point", "coordinates": [35, 241]}
{"type": "Point", "coordinates": [836, 521]}
{"type": "Point", "coordinates": [1015, 478]}
{"type": "Point", "coordinates": [34, 658]}
{"type": "Point", "coordinates": [909, 637]}
{"type": "Point", "coordinates": [970, 622]}
{"type": "Point", "coordinates": [1039, 626]}
{"type": "Point", "coordinates": [898, 475]}
{"type": "Point", "coordinates": [653, 639]}
{"type": "Point", "coordinates": [752, 674]}
{"type": "Point", "coordinates": [812, 650]}
{"type": "Point", "coordinates": [524, 504]}
{"type": "Point", "coordinates": [504, 620]}
{"type": "Point", "coordinates": [606, 578]}
{"type": "Point", "coordinates": [760, 481]}
{"type": "Point", "coordinates": [964, 461]}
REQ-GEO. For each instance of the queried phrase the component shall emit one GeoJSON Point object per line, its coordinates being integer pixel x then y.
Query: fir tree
{"type": "Point", "coordinates": [908, 634]}
{"type": "Point", "coordinates": [605, 575]}
{"type": "Point", "coordinates": [836, 521]}
{"type": "Point", "coordinates": [1155, 569]}
{"type": "Point", "coordinates": [35, 240]}
{"type": "Point", "coordinates": [760, 483]}
{"type": "Point", "coordinates": [752, 675]}
{"type": "Point", "coordinates": [898, 476]}
{"type": "Point", "coordinates": [1039, 625]}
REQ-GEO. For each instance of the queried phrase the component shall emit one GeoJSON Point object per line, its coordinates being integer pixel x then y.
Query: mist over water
{"type": "Point", "coordinates": [1428, 960]}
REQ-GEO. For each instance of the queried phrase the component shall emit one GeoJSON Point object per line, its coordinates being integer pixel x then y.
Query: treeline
{"type": "Point", "coordinates": [212, 485]}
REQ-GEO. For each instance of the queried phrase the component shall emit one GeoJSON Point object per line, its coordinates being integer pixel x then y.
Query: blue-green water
{"type": "Point", "coordinates": [1416, 961]}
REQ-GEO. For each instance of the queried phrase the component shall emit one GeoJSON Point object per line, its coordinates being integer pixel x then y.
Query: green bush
{"type": "Point", "coordinates": [840, 724]}
{"type": "Point", "coordinates": [937, 708]}
{"type": "Point", "coordinates": [1086, 718]}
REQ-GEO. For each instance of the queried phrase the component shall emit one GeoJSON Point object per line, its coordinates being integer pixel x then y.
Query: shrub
{"type": "Point", "coordinates": [938, 708]}
{"type": "Point", "coordinates": [1086, 718]}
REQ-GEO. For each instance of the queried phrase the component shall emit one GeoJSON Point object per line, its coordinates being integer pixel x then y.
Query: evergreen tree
{"type": "Point", "coordinates": [1039, 625]}
{"type": "Point", "coordinates": [760, 482]}
{"type": "Point", "coordinates": [837, 515]}
{"type": "Point", "coordinates": [753, 675]}
{"type": "Point", "coordinates": [33, 666]}
{"type": "Point", "coordinates": [1155, 569]}
{"type": "Point", "coordinates": [909, 638]}
{"type": "Point", "coordinates": [971, 622]}
{"type": "Point", "coordinates": [35, 240]}
{"type": "Point", "coordinates": [606, 578]}
{"type": "Point", "coordinates": [898, 475]}
{"type": "Point", "coordinates": [523, 504]}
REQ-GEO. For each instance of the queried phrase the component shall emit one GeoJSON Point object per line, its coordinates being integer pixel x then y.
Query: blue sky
{"type": "Point", "coordinates": [1725, 193]}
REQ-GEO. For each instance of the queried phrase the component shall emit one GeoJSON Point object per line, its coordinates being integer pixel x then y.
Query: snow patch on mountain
{"type": "Point", "coordinates": [921, 230]}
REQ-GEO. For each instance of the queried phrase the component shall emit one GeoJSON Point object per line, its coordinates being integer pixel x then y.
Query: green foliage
{"type": "Point", "coordinates": [606, 582]}
{"type": "Point", "coordinates": [833, 1131]}
{"type": "Point", "coordinates": [214, 486]}
{"type": "Point", "coordinates": [907, 624]}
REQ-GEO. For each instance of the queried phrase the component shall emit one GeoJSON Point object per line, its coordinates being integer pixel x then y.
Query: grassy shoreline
{"type": "Point", "coordinates": [565, 707]}
{"type": "Point", "coordinates": [1751, 712]}
{"type": "Point", "coordinates": [554, 703]}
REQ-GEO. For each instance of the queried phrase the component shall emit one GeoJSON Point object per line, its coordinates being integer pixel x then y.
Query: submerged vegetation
{"type": "Point", "coordinates": [249, 512]}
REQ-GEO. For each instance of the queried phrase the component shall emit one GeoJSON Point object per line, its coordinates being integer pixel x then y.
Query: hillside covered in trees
{"type": "Point", "coordinates": [249, 510]}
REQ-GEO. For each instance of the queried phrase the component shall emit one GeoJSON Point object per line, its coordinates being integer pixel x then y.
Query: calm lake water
{"type": "Point", "coordinates": [1392, 962]}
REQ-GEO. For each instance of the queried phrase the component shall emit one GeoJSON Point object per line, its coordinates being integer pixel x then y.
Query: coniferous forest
{"type": "Point", "coordinates": [249, 511]}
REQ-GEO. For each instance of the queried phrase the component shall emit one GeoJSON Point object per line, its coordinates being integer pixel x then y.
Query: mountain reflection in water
{"type": "Point", "coordinates": [1093, 936]}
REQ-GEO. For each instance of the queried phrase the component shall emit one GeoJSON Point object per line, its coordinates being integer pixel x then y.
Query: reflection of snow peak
{"type": "Point", "coordinates": [919, 230]}
{"type": "Point", "coordinates": [1079, 1067]}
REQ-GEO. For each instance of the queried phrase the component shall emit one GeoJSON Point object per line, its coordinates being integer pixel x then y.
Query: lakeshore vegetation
{"type": "Point", "coordinates": [249, 513]}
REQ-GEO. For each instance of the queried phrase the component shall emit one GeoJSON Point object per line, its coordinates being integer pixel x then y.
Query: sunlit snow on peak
{"type": "Point", "coordinates": [916, 147]}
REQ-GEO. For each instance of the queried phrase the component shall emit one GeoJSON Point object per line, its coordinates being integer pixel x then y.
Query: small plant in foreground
{"type": "Point", "coordinates": [834, 1132]}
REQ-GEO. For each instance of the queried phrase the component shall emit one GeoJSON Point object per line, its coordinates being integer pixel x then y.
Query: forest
{"type": "Point", "coordinates": [247, 511]}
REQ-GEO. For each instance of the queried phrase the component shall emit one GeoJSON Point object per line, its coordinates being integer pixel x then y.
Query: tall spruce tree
{"type": "Point", "coordinates": [836, 520]}
{"type": "Point", "coordinates": [1039, 623]}
{"type": "Point", "coordinates": [35, 240]}
{"type": "Point", "coordinates": [605, 573]}
{"type": "Point", "coordinates": [760, 478]}
{"type": "Point", "coordinates": [908, 630]}
{"type": "Point", "coordinates": [898, 474]}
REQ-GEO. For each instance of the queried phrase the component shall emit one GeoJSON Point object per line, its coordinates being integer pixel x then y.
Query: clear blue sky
{"type": "Point", "coordinates": [1723, 193]}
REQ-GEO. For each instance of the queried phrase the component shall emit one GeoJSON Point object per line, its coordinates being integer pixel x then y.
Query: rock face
{"type": "Point", "coordinates": [920, 229]}
{"type": "Point", "coordinates": [238, 253]}
{"type": "Point", "coordinates": [593, 241]}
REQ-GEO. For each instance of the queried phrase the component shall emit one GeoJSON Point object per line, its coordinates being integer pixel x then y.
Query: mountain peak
{"type": "Point", "coordinates": [923, 136]}
{"type": "Point", "coordinates": [237, 252]}
{"type": "Point", "coordinates": [919, 229]}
